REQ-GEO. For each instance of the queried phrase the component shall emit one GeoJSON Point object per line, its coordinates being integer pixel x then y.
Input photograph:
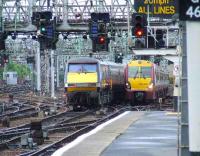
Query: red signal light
{"type": "Point", "coordinates": [139, 32]}
{"type": "Point", "coordinates": [101, 40]}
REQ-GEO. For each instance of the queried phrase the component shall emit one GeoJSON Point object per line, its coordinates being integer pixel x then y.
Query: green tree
{"type": "Point", "coordinates": [22, 70]}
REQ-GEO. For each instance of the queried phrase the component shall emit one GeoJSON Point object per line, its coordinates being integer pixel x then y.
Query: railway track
{"type": "Point", "coordinates": [164, 105]}
{"type": "Point", "coordinates": [19, 110]}
{"type": "Point", "coordinates": [16, 89]}
{"type": "Point", "coordinates": [25, 110]}
{"type": "Point", "coordinates": [60, 131]}
{"type": "Point", "coordinates": [21, 116]}
{"type": "Point", "coordinates": [86, 128]}
{"type": "Point", "coordinates": [8, 136]}
{"type": "Point", "coordinates": [63, 127]}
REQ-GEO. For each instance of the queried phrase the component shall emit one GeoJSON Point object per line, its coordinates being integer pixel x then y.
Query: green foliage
{"type": "Point", "coordinates": [22, 70]}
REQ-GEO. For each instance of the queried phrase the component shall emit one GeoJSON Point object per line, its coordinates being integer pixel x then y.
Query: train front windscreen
{"type": "Point", "coordinates": [139, 72]}
{"type": "Point", "coordinates": [82, 68]}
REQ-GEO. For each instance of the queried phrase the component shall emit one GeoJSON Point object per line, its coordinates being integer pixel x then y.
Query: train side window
{"type": "Point", "coordinates": [161, 76]}
{"type": "Point", "coordinates": [157, 76]}
{"type": "Point", "coordinates": [109, 73]}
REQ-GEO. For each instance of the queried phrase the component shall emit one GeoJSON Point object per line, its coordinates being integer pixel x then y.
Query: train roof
{"type": "Point", "coordinates": [140, 63]}
{"type": "Point", "coordinates": [92, 60]}
{"type": "Point", "coordinates": [83, 60]}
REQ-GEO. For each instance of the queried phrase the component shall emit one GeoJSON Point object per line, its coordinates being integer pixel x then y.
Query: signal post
{"type": "Point", "coordinates": [47, 37]}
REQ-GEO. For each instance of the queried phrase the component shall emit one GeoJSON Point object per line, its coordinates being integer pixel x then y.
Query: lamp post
{"type": "Point", "coordinates": [128, 21]}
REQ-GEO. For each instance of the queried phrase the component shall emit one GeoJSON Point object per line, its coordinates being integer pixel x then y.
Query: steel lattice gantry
{"type": "Point", "coordinates": [16, 14]}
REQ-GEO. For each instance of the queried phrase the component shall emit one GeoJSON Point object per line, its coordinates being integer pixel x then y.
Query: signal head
{"type": "Point", "coordinates": [138, 18]}
{"type": "Point", "coordinates": [139, 25]}
{"type": "Point", "coordinates": [139, 32]}
{"type": "Point", "coordinates": [101, 39]}
{"type": "Point", "coordinates": [85, 36]}
{"type": "Point", "coordinates": [43, 29]}
{"type": "Point", "coordinates": [101, 28]}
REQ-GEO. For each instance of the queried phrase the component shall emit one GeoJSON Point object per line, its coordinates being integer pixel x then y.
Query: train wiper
{"type": "Point", "coordinates": [135, 75]}
{"type": "Point", "coordinates": [143, 75]}
{"type": "Point", "coordinates": [90, 72]}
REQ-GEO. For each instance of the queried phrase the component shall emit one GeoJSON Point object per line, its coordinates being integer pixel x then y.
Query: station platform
{"type": "Point", "coordinates": [130, 134]}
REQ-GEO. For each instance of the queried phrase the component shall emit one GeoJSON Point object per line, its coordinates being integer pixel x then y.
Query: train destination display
{"type": "Point", "coordinates": [157, 8]}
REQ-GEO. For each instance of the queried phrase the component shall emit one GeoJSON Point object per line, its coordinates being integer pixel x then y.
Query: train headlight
{"type": "Point", "coordinates": [151, 86]}
{"type": "Point", "coordinates": [128, 85]}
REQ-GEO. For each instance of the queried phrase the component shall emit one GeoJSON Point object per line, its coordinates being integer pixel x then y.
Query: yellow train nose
{"type": "Point", "coordinates": [82, 78]}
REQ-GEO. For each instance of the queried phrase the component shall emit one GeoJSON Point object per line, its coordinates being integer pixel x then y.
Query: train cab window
{"type": "Point", "coordinates": [146, 72]}
{"type": "Point", "coordinates": [89, 68]}
{"type": "Point", "coordinates": [75, 68]}
{"type": "Point", "coordinates": [85, 68]}
{"type": "Point", "coordinates": [133, 72]}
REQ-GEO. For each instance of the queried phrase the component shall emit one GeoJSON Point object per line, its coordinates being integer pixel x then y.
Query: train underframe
{"type": "Point", "coordinates": [143, 97]}
{"type": "Point", "coordinates": [89, 99]}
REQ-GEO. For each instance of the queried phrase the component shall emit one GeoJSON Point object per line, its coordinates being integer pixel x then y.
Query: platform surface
{"type": "Point", "coordinates": [133, 134]}
{"type": "Point", "coordinates": [155, 134]}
